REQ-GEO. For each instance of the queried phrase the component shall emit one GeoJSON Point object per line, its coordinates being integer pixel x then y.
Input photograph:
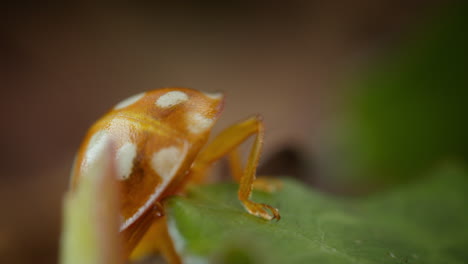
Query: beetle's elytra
{"type": "Point", "coordinates": [160, 139]}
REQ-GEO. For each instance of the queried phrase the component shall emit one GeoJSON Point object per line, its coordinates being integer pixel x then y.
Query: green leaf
{"type": "Point", "coordinates": [418, 223]}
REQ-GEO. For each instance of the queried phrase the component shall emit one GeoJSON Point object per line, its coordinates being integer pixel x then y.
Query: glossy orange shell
{"type": "Point", "coordinates": [157, 136]}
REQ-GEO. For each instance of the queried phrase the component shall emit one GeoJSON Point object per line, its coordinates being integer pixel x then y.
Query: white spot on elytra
{"type": "Point", "coordinates": [171, 98]}
{"type": "Point", "coordinates": [167, 161]}
{"type": "Point", "coordinates": [174, 157]}
{"type": "Point", "coordinates": [198, 123]}
{"type": "Point", "coordinates": [129, 101]}
{"type": "Point", "coordinates": [96, 145]}
{"type": "Point", "coordinates": [124, 159]}
{"type": "Point", "coordinates": [215, 96]}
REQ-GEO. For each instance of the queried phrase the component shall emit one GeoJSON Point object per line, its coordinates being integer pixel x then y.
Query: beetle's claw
{"type": "Point", "coordinates": [274, 211]}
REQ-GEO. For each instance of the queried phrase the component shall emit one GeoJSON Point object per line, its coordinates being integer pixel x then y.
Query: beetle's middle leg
{"type": "Point", "coordinates": [225, 144]}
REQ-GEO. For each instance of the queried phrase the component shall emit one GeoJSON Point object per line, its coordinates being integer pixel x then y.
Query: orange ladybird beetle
{"type": "Point", "coordinates": [160, 139]}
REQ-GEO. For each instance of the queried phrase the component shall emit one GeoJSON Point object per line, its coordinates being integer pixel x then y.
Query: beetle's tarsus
{"type": "Point", "coordinates": [261, 210]}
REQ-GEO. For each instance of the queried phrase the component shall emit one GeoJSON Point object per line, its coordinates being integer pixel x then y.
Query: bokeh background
{"type": "Point", "coordinates": [356, 95]}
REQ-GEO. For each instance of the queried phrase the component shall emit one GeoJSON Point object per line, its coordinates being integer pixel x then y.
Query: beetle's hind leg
{"type": "Point", "coordinates": [226, 142]}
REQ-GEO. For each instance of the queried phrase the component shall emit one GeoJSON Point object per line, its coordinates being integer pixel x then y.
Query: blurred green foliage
{"type": "Point", "coordinates": [406, 111]}
{"type": "Point", "coordinates": [418, 223]}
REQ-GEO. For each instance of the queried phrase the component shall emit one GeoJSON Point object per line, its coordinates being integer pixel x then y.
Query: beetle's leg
{"type": "Point", "coordinates": [225, 143]}
{"type": "Point", "coordinates": [262, 183]}
{"type": "Point", "coordinates": [157, 239]}
{"type": "Point", "coordinates": [134, 233]}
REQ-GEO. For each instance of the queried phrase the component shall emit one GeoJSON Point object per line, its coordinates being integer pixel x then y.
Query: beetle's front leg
{"type": "Point", "coordinates": [262, 183]}
{"type": "Point", "coordinates": [226, 142]}
{"type": "Point", "coordinates": [157, 239]}
{"type": "Point", "coordinates": [151, 235]}
{"type": "Point", "coordinates": [132, 235]}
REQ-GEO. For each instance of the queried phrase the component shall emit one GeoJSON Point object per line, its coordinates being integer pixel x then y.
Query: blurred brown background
{"type": "Point", "coordinates": [61, 67]}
